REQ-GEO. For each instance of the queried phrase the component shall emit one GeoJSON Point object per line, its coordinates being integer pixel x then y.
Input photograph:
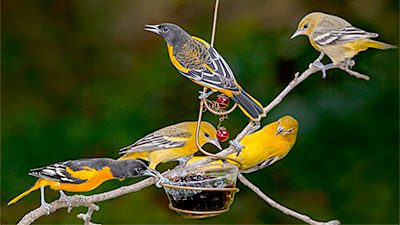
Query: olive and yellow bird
{"type": "Point", "coordinates": [263, 147]}
{"type": "Point", "coordinates": [82, 175]}
{"type": "Point", "coordinates": [337, 38]}
{"type": "Point", "coordinates": [175, 142]}
{"type": "Point", "coordinates": [201, 63]}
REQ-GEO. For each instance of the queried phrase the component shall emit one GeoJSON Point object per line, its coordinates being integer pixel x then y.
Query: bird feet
{"type": "Point", "coordinates": [204, 95]}
{"type": "Point", "coordinates": [46, 206]}
{"type": "Point", "coordinates": [238, 147]}
{"type": "Point", "coordinates": [67, 200]}
{"type": "Point", "coordinates": [321, 66]}
{"type": "Point", "coordinates": [256, 126]}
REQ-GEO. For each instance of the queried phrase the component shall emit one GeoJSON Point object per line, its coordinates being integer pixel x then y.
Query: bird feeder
{"type": "Point", "coordinates": [202, 191]}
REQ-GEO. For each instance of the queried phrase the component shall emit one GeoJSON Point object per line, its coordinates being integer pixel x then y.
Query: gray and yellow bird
{"type": "Point", "coordinates": [172, 143]}
{"type": "Point", "coordinates": [201, 63]}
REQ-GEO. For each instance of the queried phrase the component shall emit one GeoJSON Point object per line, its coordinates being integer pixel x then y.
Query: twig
{"type": "Point", "coordinates": [282, 208]}
{"type": "Point", "coordinates": [80, 200]}
{"type": "Point", "coordinates": [87, 217]}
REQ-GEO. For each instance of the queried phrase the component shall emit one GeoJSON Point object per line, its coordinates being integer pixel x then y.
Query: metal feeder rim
{"type": "Point", "coordinates": [198, 212]}
{"type": "Point", "coordinates": [199, 188]}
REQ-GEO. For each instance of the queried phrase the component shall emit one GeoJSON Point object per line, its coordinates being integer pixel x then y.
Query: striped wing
{"type": "Point", "coordinates": [209, 68]}
{"type": "Point", "coordinates": [340, 36]}
{"type": "Point", "coordinates": [168, 137]}
{"type": "Point", "coordinates": [58, 172]}
{"type": "Point", "coordinates": [262, 165]}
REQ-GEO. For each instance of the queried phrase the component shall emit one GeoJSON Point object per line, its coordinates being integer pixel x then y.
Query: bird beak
{"type": "Point", "coordinates": [216, 143]}
{"type": "Point", "coordinates": [297, 33]}
{"type": "Point", "coordinates": [280, 130]}
{"type": "Point", "coordinates": [152, 28]}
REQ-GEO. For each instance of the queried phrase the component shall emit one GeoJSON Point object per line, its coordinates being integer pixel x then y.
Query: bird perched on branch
{"type": "Point", "coordinates": [337, 38]}
{"type": "Point", "coordinates": [175, 142]}
{"type": "Point", "coordinates": [201, 63]}
{"type": "Point", "coordinates": [266, 146]}
{"type": "Point", "coordinates": [82, 175]}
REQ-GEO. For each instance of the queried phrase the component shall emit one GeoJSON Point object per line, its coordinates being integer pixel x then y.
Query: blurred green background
{"type": "Point", "coordinates": [83, 79]}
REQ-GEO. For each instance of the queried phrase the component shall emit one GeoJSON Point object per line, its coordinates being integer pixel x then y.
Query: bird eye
{"type": "Point", "coordinates": [164, 29]}
{"type": "Point", "coordinates": [206, 134]}
{"type": "Point", "coordinates": [289, 131]}
{"type": "Point", "coordinates": [305, 26]}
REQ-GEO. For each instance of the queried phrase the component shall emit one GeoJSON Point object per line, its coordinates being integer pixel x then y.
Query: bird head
{"type": "Point", "coordinates": [286, 127]}
{"type": "Point", "coordinates": [208, 134]}
{"type": "Point", "coordinates": [130, 168]}
{"type": "Point", "coordinates": [171, 33]}
{"type": "Point", "coordinates": [307, 24]}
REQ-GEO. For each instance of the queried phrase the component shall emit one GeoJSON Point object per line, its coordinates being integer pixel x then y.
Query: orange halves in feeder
{"type": "Point", "coordinates": [201, 191]}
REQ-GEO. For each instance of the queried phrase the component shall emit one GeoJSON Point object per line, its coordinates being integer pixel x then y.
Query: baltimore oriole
{"type": "Point", "coordinates": [201, 63]}
{"type": "Point", "coordinates": [175, 142]}
{"type": "Point", "coordinates": [263, 147]}
{"type": "Point", "coordinates": [335, 37]}
{"type": "Point", "coordinates": [82, 175]}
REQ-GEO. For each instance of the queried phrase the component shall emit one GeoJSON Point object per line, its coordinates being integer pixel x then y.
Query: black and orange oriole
{"type": "Point", "coordinates": [82, 175]}
{"type": "Point", "coordinates": [201, 63]}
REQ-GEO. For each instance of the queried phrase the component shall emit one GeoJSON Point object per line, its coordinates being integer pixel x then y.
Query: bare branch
{"type": "Point", "coordinates": [87, 217]}
{"type": "Point", "coordinates": [282, 208]}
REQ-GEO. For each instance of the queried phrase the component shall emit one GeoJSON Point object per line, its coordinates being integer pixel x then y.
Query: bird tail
{"type": "Point", "coordinates": [33, 188]}
{"type": "Point", "coordinates": [379, 45]}
{"type": "Point", "coordinates": [249, 105]}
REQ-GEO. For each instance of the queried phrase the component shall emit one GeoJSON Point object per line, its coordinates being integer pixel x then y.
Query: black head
{"type": "Point", "coordinates": [130, 168]}
{"type": "Point", "coordinates": [171, 33]}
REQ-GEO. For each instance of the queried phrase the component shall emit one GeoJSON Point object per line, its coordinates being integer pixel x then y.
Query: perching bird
{"type": "Point", "coordinates": [335, 37]}
{"type": "Point", "coordinates": [82, 175]}
{"type": "Point", "coordinates": [266, 146]}
{"type": "Point", "coordinates": [201, 63]}
{"type": "Point", "coordinates": [175, 142]}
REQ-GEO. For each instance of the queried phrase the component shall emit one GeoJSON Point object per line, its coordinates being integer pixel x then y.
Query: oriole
{"type": "Point", "coordinates": [175, 142]}
{"type": "Point", "coordinates": [82, 175]}
{"type": "Point", "coordinates": [335, 37]}
{"type": "Point", "coordinates": [262, 148]}
{"type": "Point", "coordinates": [201, 63]}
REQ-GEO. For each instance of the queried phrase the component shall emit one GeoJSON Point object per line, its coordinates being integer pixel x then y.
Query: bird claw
{"type": "Point", "coordinates": [321, 66]}
{"type": "Point", "coordinates": [238, 147]}
{"type": "Point", "coordinates": [161, 180]}
{"type": "Point", "coordinates": [204, 95]}
{"type": "Point", "coordinates": [46, 206]}
{"type": "Point", "coordinates": [256, 126]}
{"type": "Point", "coordinates": [183, 161]}
{"type": "Point", "coordinates": [67, 200]}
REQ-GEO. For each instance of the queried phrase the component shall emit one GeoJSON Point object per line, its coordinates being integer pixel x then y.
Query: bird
{"type": "Point", "coordinates": [197, 60]}
{"type": "Point", "coordinates": [265, 146]}
{"type": "Point", "coordinates": [82, 175]}
{"type": "Point", "coordinates": [175, 142]}
{"type": "Point", "coordinates": [337, 38]}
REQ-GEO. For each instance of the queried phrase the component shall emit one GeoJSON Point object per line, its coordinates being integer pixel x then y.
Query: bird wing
{"type": "Point", "coordinates": [168, 137]}
{"type": "Point", "coordinates": [340, 36]}
{"type": "Point", "coordinates": [262, 165]}
{"type": "Point", "coordinates": [63, 173]}
{"type": "Point", "coordinates": [206, 66]}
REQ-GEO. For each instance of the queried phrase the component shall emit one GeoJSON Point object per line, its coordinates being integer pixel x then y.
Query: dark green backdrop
{"type": "Point", "coordinates": [82, 79]}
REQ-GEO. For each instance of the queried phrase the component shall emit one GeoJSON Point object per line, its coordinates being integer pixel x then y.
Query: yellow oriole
{"type": "Point", "coordinates": [262, 148]}
{"type": "Point", "coordinates": [175, 142]}
{"type": "Point", "coordinates": [201, 63]}
{"type": "Point", "coordinates": [82, 175]}
{"type": "Point", "coordinates": [335, 37]}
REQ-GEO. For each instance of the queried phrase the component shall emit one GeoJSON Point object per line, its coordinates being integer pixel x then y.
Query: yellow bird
{"type": "Point", "coordinates": [262, 148]}
{"type": "Point", "coordinates": [175, 142]}
{"type": "Point", "coordinates": [337, 38]}
{"type": "Point", "coordinates": [266, 146]}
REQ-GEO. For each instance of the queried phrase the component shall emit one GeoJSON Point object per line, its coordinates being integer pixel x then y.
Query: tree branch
{"type": "Point", "coordinates": [282, 208]}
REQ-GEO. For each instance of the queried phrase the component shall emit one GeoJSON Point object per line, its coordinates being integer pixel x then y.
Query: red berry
{"type": "Point", "coordinates": [222, 134]}
{"type": "Point", "coordinates": [223, 101]}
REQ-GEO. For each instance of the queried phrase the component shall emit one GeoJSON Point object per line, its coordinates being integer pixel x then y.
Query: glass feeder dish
{"type": "Point", "coordinates": [201, 191]}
